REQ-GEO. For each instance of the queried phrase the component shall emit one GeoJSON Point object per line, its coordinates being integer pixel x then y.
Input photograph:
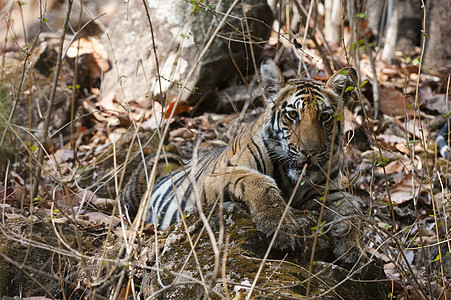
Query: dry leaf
{"type": "Point", "coordinates": [182, 132]}
{"type": "Point", "coordinates": [393, 102]}
{"type": "Point", "coordinates": [181, 107]}
{"type": "Point", "coordinates": [389, 268]}
{"type": "Point", "coordinates": [391, 139]}
{"type": "Point", "coordinates": [350, 123]}
{"type": "Point", "coordinates": [402, 191]}
{"type": "Point", "coordinates": [402, 148]}
{"type": "Point", "coordinates": [63, 155]}
{"type": "Point", "coordinates": [93, 47]}
{"type": "Point", "coordinates": [96, 219]}
{"type": "Point", "coordinates": [156, 119]}
{"type": "Point", "coordinates": [416, 128]}
{"type": "Point", "coordinates": [103, 203]}
{"type": "Point", "coordinates": [399, 166]}
{"type": "Point", "coordinates": [13, 216]}
{"type": "Point", "coordinates": [378, 254]}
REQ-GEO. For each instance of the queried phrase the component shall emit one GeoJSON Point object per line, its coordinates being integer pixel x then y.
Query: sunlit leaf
{"type": "Point", "coordinates": [416, 61]}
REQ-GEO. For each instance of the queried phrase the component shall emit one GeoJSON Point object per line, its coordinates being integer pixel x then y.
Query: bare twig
{"type": "Point", "coordinates": [285, 212]}
{"type": "Point", "coordinates": [51, 101]}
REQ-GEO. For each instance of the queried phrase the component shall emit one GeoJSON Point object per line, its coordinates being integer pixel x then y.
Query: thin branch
{"type": "Point", "coordinates": [48, 117]}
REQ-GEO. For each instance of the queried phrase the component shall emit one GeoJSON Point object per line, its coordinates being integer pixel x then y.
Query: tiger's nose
{"type": "Point", "coordinates": [309, 152]}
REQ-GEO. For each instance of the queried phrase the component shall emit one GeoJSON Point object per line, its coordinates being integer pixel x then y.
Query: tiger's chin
{"type": "Point", "coordinates": [295, 171]}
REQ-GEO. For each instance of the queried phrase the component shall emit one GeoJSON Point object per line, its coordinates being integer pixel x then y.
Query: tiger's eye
{"type": "Point", "coordinates": [292, 114]}
{"type": "Point", "coordinates": [325, 118]}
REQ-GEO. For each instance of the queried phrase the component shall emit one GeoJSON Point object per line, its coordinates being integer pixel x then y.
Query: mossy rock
{"type": "Point", "coordinates": [284, 275]}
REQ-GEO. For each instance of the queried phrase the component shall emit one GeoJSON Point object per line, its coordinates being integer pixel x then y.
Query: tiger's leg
{"type": "Point", "coordinates": [133, 191]}
{"type": "Point", "coordinates": [261, 195]}
{"type": "Point", "coordinates": [346, 229]}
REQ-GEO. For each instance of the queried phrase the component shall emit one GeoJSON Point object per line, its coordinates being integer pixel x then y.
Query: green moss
{"type": "Point", "coordinates": [244, 251]}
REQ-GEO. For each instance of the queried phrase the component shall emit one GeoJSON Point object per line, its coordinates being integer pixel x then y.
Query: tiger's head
{"type": "Point", "coordinates": [301, 116]}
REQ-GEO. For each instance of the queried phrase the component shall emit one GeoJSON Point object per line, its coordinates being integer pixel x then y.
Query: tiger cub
{"type": "Point", "coordinates": [262, 165]}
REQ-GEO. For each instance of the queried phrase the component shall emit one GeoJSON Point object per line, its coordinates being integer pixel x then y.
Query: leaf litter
{"type": "Point", "coordinates": [402, 149]}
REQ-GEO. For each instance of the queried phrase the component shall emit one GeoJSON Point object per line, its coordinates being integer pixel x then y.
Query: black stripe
{"type": "Point", "coordinates": [157, 201]}
{"type": "Point", "coordinates": [259, 167]}
{"type": "Point", "coordinates": [170, 188]}
{"type": "Point", "coordinates": [187, 193]}
{"type": "Point", "coordinates": [149, 216]}
{"type": "Point", "coordinates": [217, 161]}
{"type": "Point", "coordinates": [171, 159]}
{"type": "Point", "coordinates": [237, 181]}
{"type": "Point", "coordinates": [273, 118]}
{"type": "Point", "coordinates": [334, 174]}
{"type": "Point", "coordinates": [299, 93]}
{"type": "Point", "coordinates": [164, 209]}
{"type": "Point", "coordinates": [243, 189]}
{"type": "Point", "coordinates": [175, 217]}
{"type": "Point", "coordinates": [196, 178]}
{"type": "Point", "coordinates": [164, 198]}
{"type": "Point", "coordinates": [261, 158]}
{"type": "Point", "coordinates": [204, 195]}
{"type": "Point", "coordinates": [227, 190]}
{"type": "Point", "coordinates": [316, 93]}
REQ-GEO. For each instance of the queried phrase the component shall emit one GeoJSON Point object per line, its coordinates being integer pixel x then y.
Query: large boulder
{"type": "Point", "coordinates": [284, 274]}
{"type": "Point", "coordinates": [181, 31]}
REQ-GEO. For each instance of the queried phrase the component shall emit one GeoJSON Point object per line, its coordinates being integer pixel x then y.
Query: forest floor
{"type": "Point", "coordinates": [392, 163]}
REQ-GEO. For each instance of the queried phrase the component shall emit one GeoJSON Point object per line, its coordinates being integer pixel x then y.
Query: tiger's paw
{"type": "Point", "coordinates": [286, 236]}
{"type": "Point", "coordinates": [348, 248]}
{"type": "Point", "coordinates": [349, 253]}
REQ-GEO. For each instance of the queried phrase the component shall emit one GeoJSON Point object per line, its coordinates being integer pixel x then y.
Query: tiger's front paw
{"type": "Point", "coordinates": [347, 242]}
{"type": "Point", "coordinates": [286, 236]}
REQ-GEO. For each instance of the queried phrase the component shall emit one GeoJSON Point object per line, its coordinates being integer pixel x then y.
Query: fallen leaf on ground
{"type": "Point", "coordinates": [93, 47]}
{"type": "Point", "coordinates": [396, 166]}
{"type": "Point", "coordinates": [181, 107]}
{"type": "Point", "coordinates": [103, 203]}
{"type": "Point", "coordinates": [416, 128]}
{"type": "Point", "coordinates": [391, 139]}
{"type": "Point", "coordinates": [96, 219]}
{"type": "Point", "coordinates": [402, 191]}
{"type": "Point", "coordinates": [402, 148]}
{"type": "Point", "coordinates": [393, 102]}
{"type": "Point", "coordinates": [63, 155]}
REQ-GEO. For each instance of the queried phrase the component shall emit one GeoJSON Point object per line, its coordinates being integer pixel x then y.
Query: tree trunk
{"type": "Point", "coordinates": [397, 23]}
{"type": "Point", "coordinates": [438, 52]}
{"type": "Point", "coordinates": [332, 21]}
{"type": "Point", "coordinates": [388, 52]}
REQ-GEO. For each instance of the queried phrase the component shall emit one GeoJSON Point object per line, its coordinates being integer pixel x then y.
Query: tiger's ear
{"type": "Point", "coordinates": [272, 79]}
{"type": "Point", "coordinates": [341, 81]}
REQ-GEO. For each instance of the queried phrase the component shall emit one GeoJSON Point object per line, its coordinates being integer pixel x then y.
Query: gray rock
{"type": "Point", "coordinates": [180, 36]}
{"type": "Point", "coordinates": [284, 274]}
